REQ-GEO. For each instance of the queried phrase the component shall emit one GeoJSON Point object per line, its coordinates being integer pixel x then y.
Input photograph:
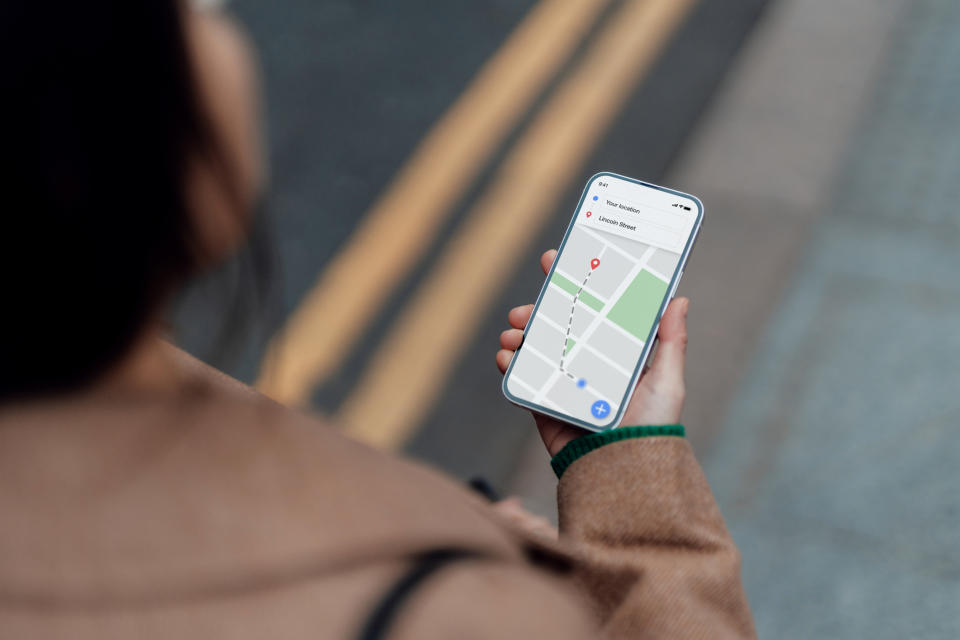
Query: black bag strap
{"type": "Point", "coordinates": [425, 565]}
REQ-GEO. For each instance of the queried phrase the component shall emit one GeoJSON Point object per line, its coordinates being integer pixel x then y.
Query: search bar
{"type": "Point", "coordinates": [637, 222]}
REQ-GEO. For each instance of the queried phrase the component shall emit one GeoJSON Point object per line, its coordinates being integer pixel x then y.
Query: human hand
{"type": "Point", "coordinates": [658, 398]}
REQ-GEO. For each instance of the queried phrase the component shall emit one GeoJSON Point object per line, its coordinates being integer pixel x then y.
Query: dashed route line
{"type": "Point", "coordinates": [573, 308]}
{"type": "Point", "coordinates": [566, 338]}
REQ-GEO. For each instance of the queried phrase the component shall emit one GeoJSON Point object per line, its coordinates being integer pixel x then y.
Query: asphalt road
{"type": "Point", "coordinates": [351, 89]}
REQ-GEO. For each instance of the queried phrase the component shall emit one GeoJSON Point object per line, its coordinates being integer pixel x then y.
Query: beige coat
{"type": "Point", "coordinates": [226, 515]}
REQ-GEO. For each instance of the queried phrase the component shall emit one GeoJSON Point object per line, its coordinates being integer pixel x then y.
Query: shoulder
{"type": "Point", "coordinates": [323, 487]}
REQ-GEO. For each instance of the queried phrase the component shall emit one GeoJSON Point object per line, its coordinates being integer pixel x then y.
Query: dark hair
{"type": "Point", "coordinates": [102, 115]}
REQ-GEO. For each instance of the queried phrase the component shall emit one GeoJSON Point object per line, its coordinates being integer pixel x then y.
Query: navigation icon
{"type": "Point", "coordinates": [595, 263]}
{"type": "Point", "coordinates": [600, 409]}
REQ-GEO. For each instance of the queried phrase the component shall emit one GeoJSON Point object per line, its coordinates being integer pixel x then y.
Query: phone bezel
{"type": "Point", "coordinates": [648, 343]}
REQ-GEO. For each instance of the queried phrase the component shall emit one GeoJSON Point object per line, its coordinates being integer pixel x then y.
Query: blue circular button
{"type": "Point", "coordinates": [600, 409]}
{"type": "Point", "coordinates": [594, 198]}
{"type": "Point", "coordinates": [581, 383]}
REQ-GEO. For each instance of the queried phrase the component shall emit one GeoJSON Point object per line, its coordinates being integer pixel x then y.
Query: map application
{"type": "Point", "coordinates": [601, 303]}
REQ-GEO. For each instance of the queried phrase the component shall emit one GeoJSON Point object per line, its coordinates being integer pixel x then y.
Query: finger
{"type": "Point", "coordinates": [546, 260]}
{"type": "Point", "coordinates": [667, 368]}
{"type": "Point", "coordinates": [511, 339]}
{"type": "Point", "coordinates": [503, 359]}
{"type": "Point", "coordinates": [519, 316]}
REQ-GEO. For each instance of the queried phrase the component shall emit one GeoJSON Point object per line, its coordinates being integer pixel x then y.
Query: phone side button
{"type": "Point", "coordinates": [673, 290]}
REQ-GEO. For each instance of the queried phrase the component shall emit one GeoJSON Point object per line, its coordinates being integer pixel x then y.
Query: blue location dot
{"type": "Point", "coordinates": [581, 383]}
{"type": "Point", "coordinates": [594, 198]}
{"type": "Point", "coordinates": [600, 409]}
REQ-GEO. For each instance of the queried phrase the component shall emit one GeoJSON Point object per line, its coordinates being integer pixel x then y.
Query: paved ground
{"type": "Point", "coordinates": [353, 88]}
{"type": "Point", "coordinates": [693, 66]}
{"type": "Point", "coordinates": [823, 351]}
{"type": "Point", "coordinates": [837, 462]}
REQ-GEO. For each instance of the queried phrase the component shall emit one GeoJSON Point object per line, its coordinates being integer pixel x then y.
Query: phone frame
{"type": "Point", "coordinates": [648, 343]}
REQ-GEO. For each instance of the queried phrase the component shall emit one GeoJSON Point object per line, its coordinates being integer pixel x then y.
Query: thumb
{"type": "Point", "coordinates": [668, 366]}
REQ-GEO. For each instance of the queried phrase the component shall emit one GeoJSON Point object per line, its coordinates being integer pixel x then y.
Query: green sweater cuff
{"type": "Point", "coordinates": [576, 449]}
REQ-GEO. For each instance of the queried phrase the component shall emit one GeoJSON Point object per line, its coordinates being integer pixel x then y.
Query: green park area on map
{"type": "Point", "coordinates": [570, 287]}
{"type": "Point", "coordinates": [637, 308]}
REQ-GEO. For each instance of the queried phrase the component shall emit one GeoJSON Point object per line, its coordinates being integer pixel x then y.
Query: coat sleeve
{"type": "Point", "coordinates": [651, 550]}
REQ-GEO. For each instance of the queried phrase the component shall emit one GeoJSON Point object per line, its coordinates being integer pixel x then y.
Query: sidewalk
{"type": "Point", "coordinates": [837, 466]}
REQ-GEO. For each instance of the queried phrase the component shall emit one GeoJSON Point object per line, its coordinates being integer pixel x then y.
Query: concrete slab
{"type": "Point", "coordinates": [764, 162]}
{"type": "Point", "coordinates": [837, 467]}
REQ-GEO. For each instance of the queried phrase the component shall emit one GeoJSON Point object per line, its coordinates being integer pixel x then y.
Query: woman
{"type": "Point", "coordinates": [146, 495]}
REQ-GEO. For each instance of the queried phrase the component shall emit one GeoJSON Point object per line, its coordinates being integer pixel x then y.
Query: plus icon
{"type": "Point", "coordinates": [600, 409]}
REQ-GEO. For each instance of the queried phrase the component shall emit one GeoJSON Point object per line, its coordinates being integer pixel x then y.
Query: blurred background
{"type": "Point", "coordinates": [423, 155]}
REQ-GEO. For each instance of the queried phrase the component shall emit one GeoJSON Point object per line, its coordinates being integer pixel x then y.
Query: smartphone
{"type": "Point", "coordinates": [596, 319]}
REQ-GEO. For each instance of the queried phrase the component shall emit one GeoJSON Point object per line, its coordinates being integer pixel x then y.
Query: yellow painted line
{"type": "Point", "coordinates": [406, 217]}
{"type": "Point", "coordinates": [414, 363]}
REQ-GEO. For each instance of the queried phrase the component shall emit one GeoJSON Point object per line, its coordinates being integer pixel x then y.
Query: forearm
{"type": "Point", "coordinates": [652, 549]}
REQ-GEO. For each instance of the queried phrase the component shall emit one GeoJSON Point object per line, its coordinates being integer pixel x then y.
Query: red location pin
{"type": "Point", "coordinates": [589, 213]}
{"type": "Point", "coordinates": [594, 263]}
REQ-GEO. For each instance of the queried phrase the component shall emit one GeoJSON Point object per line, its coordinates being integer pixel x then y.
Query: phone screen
{"type": "Point", "coordinates": [597, 314]}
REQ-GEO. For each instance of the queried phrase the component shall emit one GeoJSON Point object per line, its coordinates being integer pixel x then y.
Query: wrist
{"type": "Point", "coordinates": [579, 447]}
